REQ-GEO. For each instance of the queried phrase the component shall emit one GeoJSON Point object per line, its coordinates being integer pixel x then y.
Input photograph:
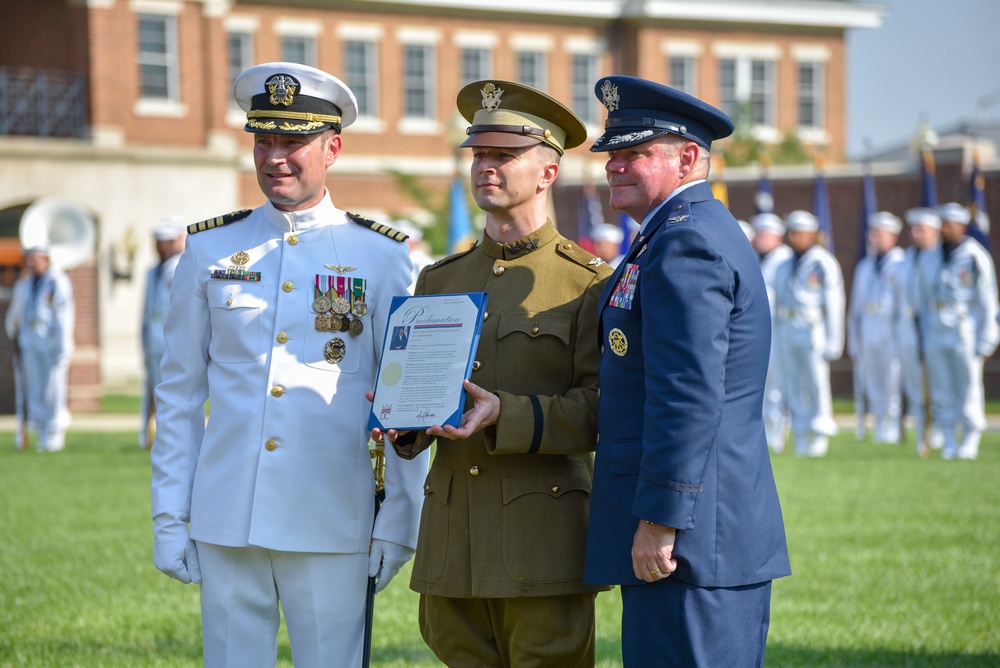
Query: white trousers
{"type": "Point", "coordinates": [322, 596]}
{"type": "Point", "coordinates": [45, 383]}
{"type": "Point", "coordinates": [806, 382]}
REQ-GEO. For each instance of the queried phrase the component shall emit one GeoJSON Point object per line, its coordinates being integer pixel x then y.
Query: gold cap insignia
{"type": "Point", "coordinates": [491, 96]}
{"type": "Point", "coordinates": [282, 88]}
{"type": "Point", "coordinates": [618, 342]}
{"type": "Point", "coordinates": [609, 92]}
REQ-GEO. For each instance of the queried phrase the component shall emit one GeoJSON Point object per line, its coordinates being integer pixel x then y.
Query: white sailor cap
{"type": "Point", "coordinates": [883, 220]}
{"type": "Point", "coordinates": [801, 221]}
{"type": "Point", "coordinates": [768, 222]}
{"type": "Point", "coordinates": [923, 216]}
{"type": "Point", "coordinates": [747, 229]}
{"type": "Point", "coordinates": [605, 232]}
{"type": "Point", "coordinates": [169, 228]}
{"type": "Point", "coordinates": [954, 212]}
{"type": "Point", "coordinates": [289, 98]}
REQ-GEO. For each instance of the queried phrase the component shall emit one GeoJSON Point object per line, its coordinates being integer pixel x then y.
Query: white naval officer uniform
{"type": "Point", "coordinates": [870, 337]}
{"type": "Point", "coordinates": [40, 318]}
{"type": "Point", "coordinates": [907, 336]}
{"type": "Point", "coordinates": [809, 334]}
{"type": "Point", "coordinates": [958, 319]}
{"type": "Point", "coordinates": [282, 463]}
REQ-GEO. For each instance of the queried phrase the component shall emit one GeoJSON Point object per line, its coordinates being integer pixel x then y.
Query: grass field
{"type": "Point", "coordinates": [896, 563]}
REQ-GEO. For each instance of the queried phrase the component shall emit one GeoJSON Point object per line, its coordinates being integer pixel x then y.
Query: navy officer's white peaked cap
{"type": "Point", "coordinates": [289, 98]}
{"type": "Point", "coordinates": [640, 110]}
{"type": "Point", "coordinates": [955, 212]}
{"type": "Point", "coordinates": [801, 221]}
{"type": "Point", "coordinates": [768, 222]}
{"type": "Point", "coordinates": [883, 220]}
{"type": "Point", "coordinates": [923, 215]}
{"type": "Point", "coordinates": [606, 232]}
{"type": "Point", "coordinates": [169, 228]}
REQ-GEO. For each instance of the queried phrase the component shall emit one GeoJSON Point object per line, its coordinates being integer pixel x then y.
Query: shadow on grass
{"type": "Point", "coordinates": [790, 656]}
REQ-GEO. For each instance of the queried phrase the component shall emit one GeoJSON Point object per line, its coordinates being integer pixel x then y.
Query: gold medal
{"type": "Point", "coordinates": [357, 327]}
{"type": "Point", "coordinates": [322, 304]}
{"type": "Point", "coordinates": [323, 323]}
{"type": "Point", "coordinates": [618, 342]}
{"type": "Point", "coordinates": [334, 350]}
{"type": "Point", "coordinates": [359, 309]}
{"type": "Point", "coordinates": [341, 306]}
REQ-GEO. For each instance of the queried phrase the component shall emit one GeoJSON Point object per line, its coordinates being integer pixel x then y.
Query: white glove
{"type": "Point", "coordinates": [174, 553]}
{"type": "Point", "coordinates": [385, 560]}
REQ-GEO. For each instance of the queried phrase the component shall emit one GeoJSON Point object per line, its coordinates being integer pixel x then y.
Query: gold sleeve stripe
{"type": "Point", "coordinates": [218, 221]}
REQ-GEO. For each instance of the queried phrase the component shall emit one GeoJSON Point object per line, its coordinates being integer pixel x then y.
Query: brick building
{"type": "Point", "coordinates": [125, 106]}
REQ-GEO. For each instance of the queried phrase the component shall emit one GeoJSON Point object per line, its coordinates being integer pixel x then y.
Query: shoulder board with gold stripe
{"type": "Point", "coordinates": [365, 221]}
{"type": "Point", "coordinates": [218, 221]}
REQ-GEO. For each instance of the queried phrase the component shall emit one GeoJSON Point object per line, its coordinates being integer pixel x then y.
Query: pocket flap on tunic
{"type": "Point", "coordinates": [552, 479]}
{"type": "Point", "coordinates": [559, 325]}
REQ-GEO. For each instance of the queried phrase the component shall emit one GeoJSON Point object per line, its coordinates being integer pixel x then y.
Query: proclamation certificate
{"type": "Point", "coordinates": [429, 347]}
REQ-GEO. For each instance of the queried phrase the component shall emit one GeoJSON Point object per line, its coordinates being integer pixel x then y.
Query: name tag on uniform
{"type": "Point", "coordinates": [624, 292]}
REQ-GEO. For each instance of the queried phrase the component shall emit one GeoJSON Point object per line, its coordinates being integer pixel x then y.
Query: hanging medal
{"type": "Point", "coordinates": [341, 305]}
{"type": "Point", "coordinates": [322, 303]}
{"type": "Point", "coordinates": [358, 306]}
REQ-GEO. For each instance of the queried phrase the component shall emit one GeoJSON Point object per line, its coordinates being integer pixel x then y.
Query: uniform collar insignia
{"type": "Point", "coordinates": [282, 89]}
{"type": "Point", "coordinates": [340, 268]}
{"type": "Point", "coordinates": [527, 245]}
{"type": "Point", "coordinates": [609, 92]}
{"type": "Point", "coordinates": [596, 262]}
{"type": "Point", "coordinates": [491, 96]}
{"type": "Point", "coordinates": [641, 251]}
{"type": "Point", "coordinates": [680, 218]}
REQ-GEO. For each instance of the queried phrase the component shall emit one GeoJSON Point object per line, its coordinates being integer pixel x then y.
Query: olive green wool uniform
{"type": "Point", "coordinates": [505, 512]}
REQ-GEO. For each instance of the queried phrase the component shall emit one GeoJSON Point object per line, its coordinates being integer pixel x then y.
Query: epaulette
{"type": "Point", "coordinates": [365, 221]}
{"type": "Point", "coordinates": [454, 256]}
{"type": "Point", "coordinates": [218, 221]}
{"type": "Point", "coordinates": [574, 252]}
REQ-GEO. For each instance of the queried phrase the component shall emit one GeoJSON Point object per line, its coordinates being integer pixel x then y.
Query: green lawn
{"type": "Point", "coordinates": [896, 560]}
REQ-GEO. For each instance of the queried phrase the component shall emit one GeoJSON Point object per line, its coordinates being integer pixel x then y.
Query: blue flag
{"type": "Point", "coordinates": [821, 209]}
{"type": "Point", "coordinates": [979, 220]}
{"type": "Point", "coordinates": [590, 214]}
{"type": "Point", "coordinates": [927, 179]}
{"type": "Point", "coordinates": [869, 205]}
{"type": "Point", "coordinates": [625, 222]}
{"type": "Point", "coordinates": [459, 221]}
{"type": "Point", "coordinates": [764, 199]}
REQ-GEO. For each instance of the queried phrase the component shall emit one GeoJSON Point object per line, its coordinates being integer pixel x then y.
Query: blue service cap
{"type": "Point", "coordinates": [640, 110]}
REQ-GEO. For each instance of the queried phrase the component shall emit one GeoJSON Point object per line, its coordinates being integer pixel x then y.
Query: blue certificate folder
{"type": "Point", "coordinates": [429, 347]}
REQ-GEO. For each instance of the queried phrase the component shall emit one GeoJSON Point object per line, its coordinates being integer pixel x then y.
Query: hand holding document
{"type": "Point", "coordinates": [428, 352]}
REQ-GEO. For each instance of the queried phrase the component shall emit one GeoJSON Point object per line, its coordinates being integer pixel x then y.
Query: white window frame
{"type": "Point", "coordinates": [747, 88]}
{"type": "Point", "coordinates": [168, 105]}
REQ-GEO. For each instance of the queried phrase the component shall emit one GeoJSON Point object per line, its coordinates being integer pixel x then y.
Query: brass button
{"type": "Point", "coordinates": [287, 286]}
{"type": "Point", "coordinates": [270, 445]}
{"type": "Point", "coordinates": [486, 314]}
{"type": "Point", "coordinates": [229, 302]}
{"type": "Point", "coordinates": [282, 337]}
{"type": "Point", "coordinates": [476, 365]}
{"type": "Point", "coordinates": [292, 240]}
{"type": "Point", "coordinates": [277, 391]}
{"type": "Point", "coordinates": [567, 246]}
{"type": "Point", "coordinates": [427, 488]}
{"type": "Point", "coordinates": [474, 471]}
{"type": "Point", "coordinates": [498, 271]}
{"type": "Point", "coordinates": [534, 330]}
{"type": "Point", "coordinates": [555, 489]}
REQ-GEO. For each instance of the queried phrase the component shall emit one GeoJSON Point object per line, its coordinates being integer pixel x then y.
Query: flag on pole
{"type": "Point", "coordinates": [869, 205]}
{"type": "Point", "coordinates": [821, 206]}
{"type": "Point", "coordinates": [719, 189]}
{"type": "Point", "coordinates": [459, 221]}
{"type": "Point", "coordinates": [927, 179]}
{"type": "Point", "coordinates": [626, 224]}
{"type": "Point", "coordinates": [590, 214]}
{"type": "Point", "coordinates": [764, 199]}
{"type": "Point", "coordinates": [979, 220]}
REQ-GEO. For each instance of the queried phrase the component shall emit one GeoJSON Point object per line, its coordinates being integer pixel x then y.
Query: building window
{"type": "Point", "coordinates": [747, 89]}
{"type": "Point", "coordinates": [531, 66]}
{"type": "Point", "coordinates": [240, 55]}
{"type": "Point", "coordinates": [584, 75]}
{"type": "Point", "coordinates": [684, 74]}
{"type": "Point", "coordinates": [361, 74]}
{"type": "Point", "coordinates": [298, 49]}
{"type": "Point", "coordinates": [158, 57]}
{"type": "Point", "coordinates": [477, 64]}
{"type": "Point", "coordinates": [811, 83]}
{"type": "Point", "coordinates": [418, 81]}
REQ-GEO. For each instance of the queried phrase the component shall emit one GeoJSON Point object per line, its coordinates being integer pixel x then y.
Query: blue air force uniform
{"type": "Point", "coordinates": [684, 328]}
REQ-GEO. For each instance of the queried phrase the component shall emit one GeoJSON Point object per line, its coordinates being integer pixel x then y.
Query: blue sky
{"type": "Point", "coordinates": [929, 57]}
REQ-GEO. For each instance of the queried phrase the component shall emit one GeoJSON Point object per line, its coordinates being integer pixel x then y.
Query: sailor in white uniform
{"type": "Point", "coordinates": [40, 320]}
{"type": "Point", "coordinates": [959, 328]}
{"type": "Point", "coordinates": [809, 332]}
{"type": "Point", "coordinates": [768, 241]}
{"type": "Point", "coordinates": [870, 318]}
